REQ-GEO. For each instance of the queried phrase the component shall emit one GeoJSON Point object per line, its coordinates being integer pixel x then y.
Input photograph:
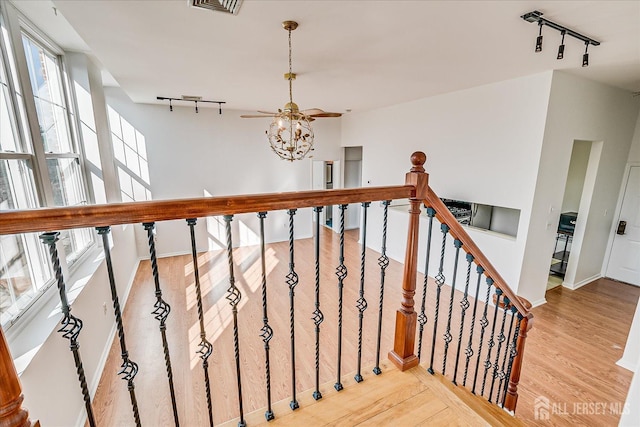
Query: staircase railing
{"type": "Point", "coordinates": [493, 374]}
{"type": "Point", "coordinates": [506, 361]}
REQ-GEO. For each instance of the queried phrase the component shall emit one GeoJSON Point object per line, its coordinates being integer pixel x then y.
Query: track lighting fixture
{"type": "Point", "coordinates": [194, 99]}
{"type": "Point", "coordinates": [539, 39]}
{"type": "Point", "coordinates": [585, 57]}
{"type": "Point", "coordinates": [536, 16]}
{"type": "Point", "coordinates": [561, 47]}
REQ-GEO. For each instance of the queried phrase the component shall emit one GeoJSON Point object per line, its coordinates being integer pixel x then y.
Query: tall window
{"type": "Point", "coordinates": [36, 168]}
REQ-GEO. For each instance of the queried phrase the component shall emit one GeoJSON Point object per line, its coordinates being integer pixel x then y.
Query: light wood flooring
{"type": "Point", "coordinates": [570, 355]}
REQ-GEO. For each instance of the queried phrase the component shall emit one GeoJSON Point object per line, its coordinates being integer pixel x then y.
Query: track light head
{"type": "Point", "coordinates": [561, 47]}
{"type": "Point", "coordinates": [539, 39]}
{"type": "Point", "coordinates": [585, 57]}
{"type": "Point", "coordinates": [536, 16]}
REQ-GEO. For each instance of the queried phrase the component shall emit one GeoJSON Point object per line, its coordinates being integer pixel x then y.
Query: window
{"type": "Point", "coordinates": [41, 169]}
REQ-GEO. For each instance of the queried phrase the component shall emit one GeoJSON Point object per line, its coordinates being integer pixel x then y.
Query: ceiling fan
{"type": "Point", "coordinates": [290, 134]}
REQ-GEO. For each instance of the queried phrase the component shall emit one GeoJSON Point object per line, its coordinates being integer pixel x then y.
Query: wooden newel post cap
{"type": "Point", "coordinates": [418, 160]}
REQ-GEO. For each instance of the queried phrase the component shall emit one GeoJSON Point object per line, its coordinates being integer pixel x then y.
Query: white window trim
{"type": "Point", "coordinates": [16, 24]}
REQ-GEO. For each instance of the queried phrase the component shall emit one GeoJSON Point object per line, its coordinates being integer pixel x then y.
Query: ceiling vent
{"type": "Point", "coordinates": [228, 6]}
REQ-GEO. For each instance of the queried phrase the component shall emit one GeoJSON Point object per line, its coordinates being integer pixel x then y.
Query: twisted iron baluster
{"type": "Point", "coordinates": [502, 374]}
{"type": "Point", "coordinates": [383, 262]}
{"type": "Point", "coordinates": [129, 369]}
{"type": "Point", "coordinates": [447, 335]}
{"type": "Point", "coordinates": [317, 314]}
{"type": "Point", "coordinates": [292, 281]}
{"type": "Point", "coordinates": [464, 305]}
{"type": "Point", "coordinates": [439, 282]}
{"type": "Point", "coordinates": [491, 343]}
{"type": "Point", "coordinates": [361, 304]}
{"type": "Point", "coordinates": [513, 352]}
{"type": "Point", "coordinates": [266, 333]}
{"type": "Point", "coordinates": [484, 322]}
{"type": "Point", "coordinates": [161, 312]}
{"type": "Point", "coordinates": [71, 325]}
{"type": "Point", "coordinates": [469, 350]}
{"type": "Point", "coordinates": [422, 317]}
{"type": "Point", "coordinates": [204, 348]}
{"type": "Point", "coordinates": [341, 272]}
{"type": "Point", "coordinates": [501, 339]}
{"type": "Point", "coordinates": [234, 296]}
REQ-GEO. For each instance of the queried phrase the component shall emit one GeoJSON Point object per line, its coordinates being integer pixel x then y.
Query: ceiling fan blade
{"type": "Point", "coordinates": [267, 112]}
{"type": "Point", "coordinates": [327, 114]}
{"type": "Point", "coordinates": [255, 116]}
{"type": "Point", "coordinates": [312, 111]}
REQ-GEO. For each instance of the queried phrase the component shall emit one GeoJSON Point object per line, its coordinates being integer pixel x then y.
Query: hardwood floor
{"type": "Point", "coordinates": [414, 398]}
{"type": "Point", "coordinates": [571, 351]}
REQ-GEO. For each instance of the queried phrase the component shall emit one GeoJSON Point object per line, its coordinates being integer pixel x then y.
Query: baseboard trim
{"type": "Point", "coordinates": [538, 303]}
{"type": "Point", "coordinates": [581, 283]}
{"type": "Point", "coordinates": [623, 363]}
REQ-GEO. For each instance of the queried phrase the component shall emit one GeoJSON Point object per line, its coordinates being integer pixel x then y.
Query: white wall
{"type": "Point", "coordinates": [482, 145]}
{"type": "Point", "coordinates": [575, 177]}
{"type": "Point", "coordinates": [584, 110]}
{"type": "Point", "coordinates": [193, 155]}
{"type": "Point", "coordinates": [634, 151]}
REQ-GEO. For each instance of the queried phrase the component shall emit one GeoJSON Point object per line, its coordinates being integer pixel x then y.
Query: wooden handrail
{"type": "Point", "coordinates": [55, 219]}
{"type": "Point", "coordinates": [458, 232]}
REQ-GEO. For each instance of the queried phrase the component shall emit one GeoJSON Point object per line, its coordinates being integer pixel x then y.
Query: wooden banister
{"type": "Point", "coordinates": [403, 355]}
{"type": "Point", "coordinates": [458, 232]}
{"type": "Point", "coordinates": [11, 412]}
{"type": "Point", "coordinates": [50, 219]}
{"type": "Point", "coordinates": [522, 305]}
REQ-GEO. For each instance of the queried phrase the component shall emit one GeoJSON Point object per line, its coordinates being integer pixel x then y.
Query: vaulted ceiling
{"type": "Point", "coordinates": [353, 54]}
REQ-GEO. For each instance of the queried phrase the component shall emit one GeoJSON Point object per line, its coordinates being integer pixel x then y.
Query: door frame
{"type": "Point", "coordinates": [616, 216]}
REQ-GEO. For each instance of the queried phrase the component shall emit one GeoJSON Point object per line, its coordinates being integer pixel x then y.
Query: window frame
{"type": "Point", "coordinates": [22, 111]}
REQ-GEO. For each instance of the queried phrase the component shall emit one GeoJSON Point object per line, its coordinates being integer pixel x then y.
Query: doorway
{"type": "Point", "coordinates": [624, 257]}
{"type": "Point", "coordinates": [352, 179]}
{"type": "Point", "coordinates": [574, 212]}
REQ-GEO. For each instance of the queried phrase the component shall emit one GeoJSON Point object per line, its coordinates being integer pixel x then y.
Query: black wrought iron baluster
{"type": "Point", "coordinates": [341, 272]}
{"type": "Point", "coordinates": [292, 282]}
{"type": "Point", "coordinates": [361, 304]}
{"type": "Point", "coordinates": [128, 368]}
{"type": "Point", "coordinates": [464, 305]}
{"type": "Point", "coordinates": [469, 350]}
{"type": "Point", "coordinates": [422, 317]}
{"type": "Point", "coordinates": [266, 333]}
{"type": "Point", "coordinates": [501, 338]}
{"type": "Point", "coordinates": [204, 348]}
{"type": "Point", "coordinates": [383, 262]}
{"type": "Point", "coordinates": [513, 352]}
{"type": "Point", "coordinates": [234, 296]}
{"type": "Point", "coordinates": [447, 335]}
{"type": "Point", "coordinates": [439, 282]}
{"type": "Point", "coordinates": [502, 374]}
{"type": "Point", "coordinates": [491, 343]}
{"type": "Point", "coordinates": [161, 312]}
{"type": "Point", "coordinates": [317, 314]}
{"type": "Point", "coordinates": [71, 325]}
{"type": "Point", "coordinates": [484, 322]}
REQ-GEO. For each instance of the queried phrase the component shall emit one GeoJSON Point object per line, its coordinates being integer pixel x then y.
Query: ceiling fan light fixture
{"type": "Point", "coordinates": [290, 133]}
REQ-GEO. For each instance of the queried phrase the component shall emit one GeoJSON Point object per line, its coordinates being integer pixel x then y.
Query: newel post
{"type": "Point", "coordinates": [11, 412]}
{"type": "Point", "coordinates": [511, 398]}
{"type": "Point", "coordinates": [403, 354]}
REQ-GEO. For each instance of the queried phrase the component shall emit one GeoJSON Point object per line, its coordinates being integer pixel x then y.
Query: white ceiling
{"type": "Point", "coordinates": [354, 54]}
